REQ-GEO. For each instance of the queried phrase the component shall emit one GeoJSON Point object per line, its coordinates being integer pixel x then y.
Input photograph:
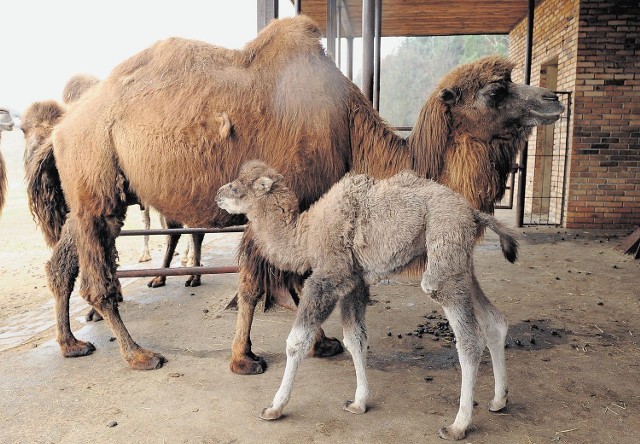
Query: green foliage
{"type": "Point", "coordinates": [413, 70]}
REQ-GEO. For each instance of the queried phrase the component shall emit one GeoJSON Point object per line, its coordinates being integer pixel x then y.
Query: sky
{"type": "Point", "coordinates": [45, 42]}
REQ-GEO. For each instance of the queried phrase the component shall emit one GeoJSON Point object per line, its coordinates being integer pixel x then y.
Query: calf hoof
{"type": "Point", "coordinates": [158, 281]}
{"type": "Point", "coordinates": [269, 414]}
{"type": "Point", "coordinates": [193, 281]}
{"type": "Point", "coordinates": [326, 347]}
{"type": "Point", "coordinates": [143, 359]}
{"type": "Point", "coordinates": [354, 407]}
{"type": "Point", "coordinates": [94, 316]}
{"type": "Point", "coordinates": [497, 405]}
{"type": "Point", "coordinates": [451, 433]}
{"type": "Point", "coordinates": [77, 348]}
{"type": "Point", "coordinates": [248, 365]}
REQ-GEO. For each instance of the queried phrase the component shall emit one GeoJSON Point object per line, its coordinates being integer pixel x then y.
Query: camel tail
{"type": "Point", "coordinates": [3, 183]}
{"type": "Point", "coordinates": [508, 241]}
{"type": "Point", "coordinates": [44, 192]}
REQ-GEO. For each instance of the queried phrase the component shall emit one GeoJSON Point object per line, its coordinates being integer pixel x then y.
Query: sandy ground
{"type": "Point", "coordinates": [573, 356]}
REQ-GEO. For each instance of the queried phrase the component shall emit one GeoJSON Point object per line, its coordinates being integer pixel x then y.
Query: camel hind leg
{"type": "Point", "coordinates": [355, 340]}
{"type": "Point", "coordinates": [171, 244]}
{"type": "Point", "coordinates": [320, 295]}
{"type": "Point", "coordinates": [196, 245]}
{"type": "Point", "coordinates": [494, 328]}
{"type": "Point", "coordinates": [145, 254]}
{"type": "Point", "coordinates": [62, 270]}
{"type": "Point", "coordinates": [456, 299]}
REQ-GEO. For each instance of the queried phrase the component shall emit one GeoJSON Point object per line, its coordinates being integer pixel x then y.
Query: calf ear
{"type": "Point", "coordinates": [262, 184]}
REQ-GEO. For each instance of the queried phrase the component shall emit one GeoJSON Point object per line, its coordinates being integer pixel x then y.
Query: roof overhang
{"type": "Point", "coordinates": [411, 18]}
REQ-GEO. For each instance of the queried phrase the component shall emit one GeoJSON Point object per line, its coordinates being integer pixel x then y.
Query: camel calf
{"type": "Point", "coordinates": [361, 230]}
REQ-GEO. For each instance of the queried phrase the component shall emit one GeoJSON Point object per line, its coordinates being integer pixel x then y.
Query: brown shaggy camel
{"type": "Point", "coordinates": [6, 124]}
{"type": "Point", "coordinates": [76, 86]}
{"type": "Point", "coordinates": [209, 109]}
{"type": "Point", "coordinates": [360, 231]}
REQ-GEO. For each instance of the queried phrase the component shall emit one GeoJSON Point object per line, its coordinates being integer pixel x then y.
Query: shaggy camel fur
{"type": "Point", "coordinates": [6, 124]}
{"type": "Point", "coordinates": [209, 109]}
{"type": "Point", "coordinates": [358, 232]}
{"type": "Point", "coordinates": [77, 86]}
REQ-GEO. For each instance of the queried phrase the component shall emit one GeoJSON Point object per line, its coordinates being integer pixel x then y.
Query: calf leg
{"type": "Point", "coordinates": [187, 254]}
{"type": "Point", "coordinates": [355, 340]}
{"type": "Point", "coordinates": [97, 256]}
{"type": "Point", "coordinates": [494, 327]}
{"type": "Point", "coordinates": [196, 240]}
{"type": "Point", "coordinates": [172, 242]}
{"type": "Point", "coordinates": [145, 254]}
{"type": "Point", "coordinates": [455, 297]}
{"type": "Point", "coordinates": [319, 297]}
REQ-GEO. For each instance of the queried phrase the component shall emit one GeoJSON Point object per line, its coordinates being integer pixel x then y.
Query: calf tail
{"type": "Point", "coordinates": [44, 191]}
{"type": "Point", "coordinates": [508, 241]}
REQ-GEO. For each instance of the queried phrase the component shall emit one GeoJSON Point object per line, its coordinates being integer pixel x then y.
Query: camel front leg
{"type": "Point", "coordinates": [458, 307]}
{"type": "Point", "coordinates": [355, 340]}
{"type": "Point", "coordinates": [319, 297]}
{"type": "Point", "coordinates": [243, 361]}
{"type": "Point", "coordinates": [97, 257]}
{"type": "Point", "coordinates": [196, 243]}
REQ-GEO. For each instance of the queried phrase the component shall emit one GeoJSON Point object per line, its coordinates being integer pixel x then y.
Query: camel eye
{"type": "Point", "coordinates": [498, 93]}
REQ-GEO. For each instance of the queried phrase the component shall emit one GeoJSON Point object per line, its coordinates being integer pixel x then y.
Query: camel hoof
{"type": "Point", "coordinates": [193, 281]}
{"type": "Point", "coordinates": [144, 257]}
{"type": "Point", "coordinates": [158, 281]}
{"type": "Point", "coordinates": [146, 360]}
{"type": "Point", "coordinates": [93, 315]}
{"type": "Point", "coordinates": [451, 434]}
{"type": "Point", "coordinates": [77, 349]}
{"type": "Point", "coordinates": [248, 366]}
{"type": "Point", "coordinates": [497, 405]}
{"type": "Point", "coordinates": [269, 414]}
{"type": "Point", "coordinates": [327, 347]}
{"type": "Point", "coordinates": [354, 407]}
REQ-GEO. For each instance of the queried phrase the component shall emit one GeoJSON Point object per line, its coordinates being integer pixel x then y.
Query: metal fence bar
{"type": "Point", "coordinates": [182, 271]}
{"type": "Point", "coordinates": [160, 231]}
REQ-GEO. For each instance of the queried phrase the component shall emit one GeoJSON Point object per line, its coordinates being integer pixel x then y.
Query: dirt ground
{"type": "Point", "coordinates": [573, 356]}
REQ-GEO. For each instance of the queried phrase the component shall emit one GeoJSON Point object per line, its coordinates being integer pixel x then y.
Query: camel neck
{"type": "Point", "coordinates": [377, 150]}
{"type": "Point", "coordinates": [279, 231]}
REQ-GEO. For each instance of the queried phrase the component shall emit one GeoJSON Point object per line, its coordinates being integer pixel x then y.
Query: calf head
{"type": "Point", "coordinates": [255, 181]}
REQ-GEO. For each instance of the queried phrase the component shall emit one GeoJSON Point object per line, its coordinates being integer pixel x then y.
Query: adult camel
{"type": "Point", "coordinates": [209, 109]}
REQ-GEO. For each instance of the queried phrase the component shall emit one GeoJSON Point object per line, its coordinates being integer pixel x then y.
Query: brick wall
{"type": "Point", "coordinates": [555, 37]}
{"type": "Point", "coordinates": [597, 44]}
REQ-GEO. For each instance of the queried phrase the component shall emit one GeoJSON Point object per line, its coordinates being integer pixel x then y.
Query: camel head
{"type": "Point", "coordinates": [37, 123]}
{"type": "Point", "coordinates": [255, 181]}
{"type": "Point", "coordinates": [473, 125]}
{"type": "Point", "coordinates": [483, 102]}
{"type": "Point", "coordinates": [6, 122]}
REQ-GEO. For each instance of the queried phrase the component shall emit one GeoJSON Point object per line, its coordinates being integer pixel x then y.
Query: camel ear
{"type": "Point", "coordinates": [450, 96]}
{"type": "Point", "coordinates": [262, 184]}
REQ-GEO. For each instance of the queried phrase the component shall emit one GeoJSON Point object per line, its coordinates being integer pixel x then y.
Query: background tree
{"type": "Point", "coordinates": [414, 69]}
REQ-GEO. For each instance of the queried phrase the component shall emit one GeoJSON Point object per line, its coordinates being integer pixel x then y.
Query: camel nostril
{"type": "Point", "coordinates": [550, 96]}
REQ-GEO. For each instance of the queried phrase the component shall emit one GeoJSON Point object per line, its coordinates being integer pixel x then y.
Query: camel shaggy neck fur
{"type": "Point", "coordinates": [361, 230]}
